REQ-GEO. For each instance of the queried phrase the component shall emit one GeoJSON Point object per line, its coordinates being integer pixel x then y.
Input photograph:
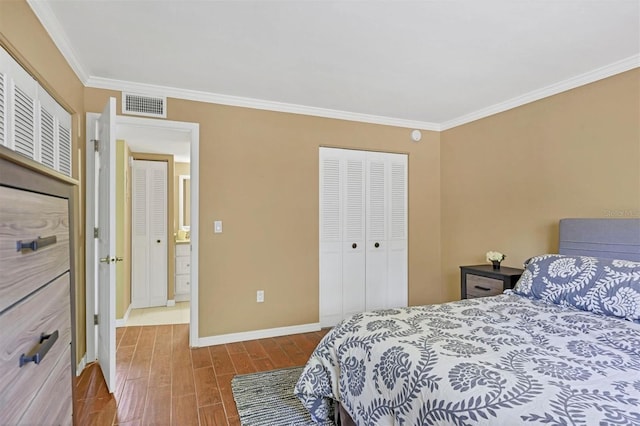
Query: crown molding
{"type": "Point", "coordinates": [214, 98]}
{"type": "Point", "coordinates": [43, 12]}
{"type": "Point", "coordinates": [50, 22]}
{"type": "Point", "coordinates": [577, 81]}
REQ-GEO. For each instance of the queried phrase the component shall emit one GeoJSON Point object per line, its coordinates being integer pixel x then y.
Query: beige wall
{"type": "Point", "coordinates": [509, 178]}
{"type": "Point", "coordinates": [23, 37]}
{"type": "Point", "coordinates": [123, 228]}
{"type": "Point", "coordinates": [259, 175]}
{"type": "Point", "coordinates": [499, 183]}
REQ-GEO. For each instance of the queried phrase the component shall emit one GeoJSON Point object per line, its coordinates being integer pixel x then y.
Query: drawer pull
{"type": "Point", "coordinates": [36, 244]}
{"type": "Point", "coordinates": [46, 342]}
{"type": "Point", "coordinates": [482, 288]}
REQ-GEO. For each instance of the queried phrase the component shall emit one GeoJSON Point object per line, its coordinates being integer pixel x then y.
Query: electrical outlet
{"type": "Point", "coordinates": [260, 296]}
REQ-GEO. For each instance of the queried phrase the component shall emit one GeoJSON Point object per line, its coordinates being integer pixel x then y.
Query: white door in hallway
{"type": "Point", "coordinates": [149, 234]}
{"type": "Point", "coordinates": [105, 194]}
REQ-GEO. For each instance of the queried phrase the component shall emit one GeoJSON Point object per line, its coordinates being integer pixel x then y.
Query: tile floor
{"type": "Point", "coordinates": [161, 381]}
{"type": "Point", "coordinates": [178, 314]}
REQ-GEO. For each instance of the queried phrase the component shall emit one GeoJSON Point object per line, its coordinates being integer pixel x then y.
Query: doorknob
{"type": "Point", "coordinates": [108, 259]}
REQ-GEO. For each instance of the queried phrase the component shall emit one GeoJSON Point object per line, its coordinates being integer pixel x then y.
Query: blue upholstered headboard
{"type": "Point", "coordinates": [608, 238]}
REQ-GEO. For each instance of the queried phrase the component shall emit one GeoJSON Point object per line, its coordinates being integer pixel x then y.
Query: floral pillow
{"type": "Point", "coordinates": [603, 286]}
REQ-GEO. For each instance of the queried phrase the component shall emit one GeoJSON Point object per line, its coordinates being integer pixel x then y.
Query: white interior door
{"type": "Point", "coordinates": [106, 243]}
{"type": "Point", "coordinates": [149, 234]}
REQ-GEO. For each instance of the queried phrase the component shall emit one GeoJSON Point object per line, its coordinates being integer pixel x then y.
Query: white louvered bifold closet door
{"type": "Point", "coordinates": [330, 239]}
{"type": "Point", "coordinates": [363, 232]}
{"type": "Point", "coordinates": [149, 234]}
{"type": "Point", "coordinates": [353, 245]}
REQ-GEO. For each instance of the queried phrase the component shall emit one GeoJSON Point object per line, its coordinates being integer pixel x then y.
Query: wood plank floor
{"type": "Point", "coordinates": [161, 381]}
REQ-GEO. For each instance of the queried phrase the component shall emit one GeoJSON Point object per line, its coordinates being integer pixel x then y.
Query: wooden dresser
{"type": "Point", "coordinates": [37, 351]}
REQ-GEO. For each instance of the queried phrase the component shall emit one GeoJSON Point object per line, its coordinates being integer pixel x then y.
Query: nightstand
{"type": "Point", "coordinates": [483, 280]}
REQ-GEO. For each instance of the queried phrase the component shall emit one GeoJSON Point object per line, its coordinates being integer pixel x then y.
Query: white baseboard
{"type": "Point", "coordinates": [83, 363]}
{"type": "Point", "coordinates": [182, 297]}
{"type": "Point", "coordinates": [257, 334]}
{"type": "Point", "coordinates": [171, 302]}
{"type": "Point", "coordinates": [123, 321]}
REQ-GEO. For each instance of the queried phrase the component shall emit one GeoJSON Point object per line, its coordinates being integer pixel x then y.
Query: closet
{"type": "Point", "coordinates": [363, 232]}
{"type": "Point", "coordinates": [148, 234]}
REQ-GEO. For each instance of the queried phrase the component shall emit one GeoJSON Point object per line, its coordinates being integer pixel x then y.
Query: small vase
{"type": "Point", "coordinates": [496, 264]}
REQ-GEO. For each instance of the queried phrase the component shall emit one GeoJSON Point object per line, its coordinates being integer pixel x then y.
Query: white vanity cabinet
{"type": "Point", "coordinates": [183, 271]}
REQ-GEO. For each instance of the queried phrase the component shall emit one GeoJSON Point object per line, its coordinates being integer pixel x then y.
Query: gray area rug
{"type": "Point", "coordinates": [267, 399]}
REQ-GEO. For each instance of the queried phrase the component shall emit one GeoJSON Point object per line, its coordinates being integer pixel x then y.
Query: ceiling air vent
{"type": "Point", "coordinates": [149, 106]}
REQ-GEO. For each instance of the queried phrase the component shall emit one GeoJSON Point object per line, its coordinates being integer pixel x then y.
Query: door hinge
{"type": "Point", "coordinates": [95, 319]}
{"type": "Point", "coordinates": [96, 233]}
{"type": "Point", "coordinates": [96, 145]}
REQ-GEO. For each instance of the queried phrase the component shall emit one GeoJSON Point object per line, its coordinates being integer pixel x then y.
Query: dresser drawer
{"type": "Point", "coordinates": [183, 249]}
{"type": "Point", "coordinates": [183, 265]}
{"type": "Point", "coordinates": [27, 217]}
{"type": "Point", "coordinates": [478, 286]}
{"type": "Point", "coordinates": [54, 400]}
{"type": "Point", "coordinates": [45, 311]}
{"type": "Point", "coordinates": [183, 284]}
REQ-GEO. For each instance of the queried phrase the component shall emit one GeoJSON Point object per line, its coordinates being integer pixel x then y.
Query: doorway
{"type": "Point", "coordinates": [154, 130]}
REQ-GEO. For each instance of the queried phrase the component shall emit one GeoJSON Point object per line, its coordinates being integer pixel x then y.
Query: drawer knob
{"type": "Point", "coordinates": [36, 244]}
{"type": "Point", "coordinates": [354, 245]}
{"type": "Point", "coordinates": [376, 245]}
{"type": "Point", "coordinates": [46, 342]}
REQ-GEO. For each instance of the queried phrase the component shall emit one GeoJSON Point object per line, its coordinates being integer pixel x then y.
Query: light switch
{"type": "Point", "coordinates": [217, 227]}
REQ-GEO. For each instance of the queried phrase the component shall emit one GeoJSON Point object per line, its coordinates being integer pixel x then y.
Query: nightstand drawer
{"type": "Point", "coordinates": [478, 286]}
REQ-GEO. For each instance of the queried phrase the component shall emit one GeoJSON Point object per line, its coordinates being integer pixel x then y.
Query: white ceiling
{"type": "Point", "coordinates": [423, 64]}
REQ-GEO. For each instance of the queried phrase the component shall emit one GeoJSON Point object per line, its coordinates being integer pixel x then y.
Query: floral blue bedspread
{"type": "Point", "coordinates": [500, 360]}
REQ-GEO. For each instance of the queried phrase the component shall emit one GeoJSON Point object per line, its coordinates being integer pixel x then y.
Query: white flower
{"type": "Point", "coordinates": [495, 256]}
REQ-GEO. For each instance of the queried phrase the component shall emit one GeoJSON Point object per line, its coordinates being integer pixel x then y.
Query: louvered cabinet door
{"type": "Point", "coordinates": [32, 123]}
{"type": "Point", "coordinates": [22, 92]}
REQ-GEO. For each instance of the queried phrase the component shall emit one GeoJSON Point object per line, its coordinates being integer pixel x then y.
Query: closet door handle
{"type": "Point", "coordinates": [36, 244]}
{"type": "Point", "coordinates": [354, 245]}
{"type": "Point", "coordinates": [376, 245]}
{"type": "Point", "coordinates": [46, 342]}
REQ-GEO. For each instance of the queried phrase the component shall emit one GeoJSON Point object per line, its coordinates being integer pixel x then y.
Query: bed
{"type": "Point", "coordinates": [563, 347]}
